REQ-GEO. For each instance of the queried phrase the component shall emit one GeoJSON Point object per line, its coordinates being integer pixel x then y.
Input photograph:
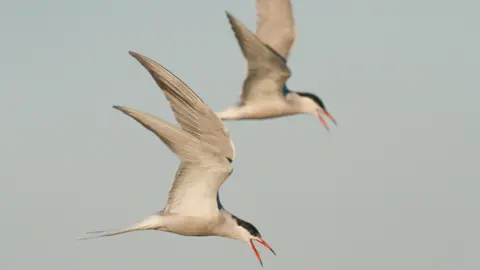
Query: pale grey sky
{"type": "Point", "coordinates": [394, 186]}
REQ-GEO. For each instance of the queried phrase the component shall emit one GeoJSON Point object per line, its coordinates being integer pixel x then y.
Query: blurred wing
{"type": "Point", "coordinates": [275, 25]}
{"type": "Point", "coordinates": [267, 72]}
{"type": "Point", "coordinates": [201, 173]}
{"type": "Point", "coordinates": [193, 115]}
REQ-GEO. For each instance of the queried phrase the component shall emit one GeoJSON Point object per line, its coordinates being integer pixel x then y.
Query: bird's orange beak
{"type": "Point", "coordinates": [324, 123]}
{"type": "Point", "coordinates": [256, 251]}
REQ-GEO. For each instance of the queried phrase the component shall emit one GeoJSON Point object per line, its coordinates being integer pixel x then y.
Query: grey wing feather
{"type": "Point", "coordinates": [187, 147]}
{"type": "Point", "coordinates": [202, 171]}
{"type": "Point", "coordinates": [193, 115]}
{"type": "Point", "coordinates": [267, 72]}
{"type": "Point", "coordinates": [275, 25]}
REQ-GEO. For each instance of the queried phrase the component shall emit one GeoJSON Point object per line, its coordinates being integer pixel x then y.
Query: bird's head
{"type": "Point", "coordinates": [311, 103]}
{"type": "Point", "coordinates": [248, 233]}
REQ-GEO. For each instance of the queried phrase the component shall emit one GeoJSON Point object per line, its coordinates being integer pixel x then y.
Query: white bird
{"type": "Point", "coordinates": [265, 93]}
{"type": "Point", "coordinates": [193, 207]}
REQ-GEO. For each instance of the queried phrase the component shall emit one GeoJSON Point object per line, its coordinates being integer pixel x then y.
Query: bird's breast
{"type": "Point", "coordinates": [191, 226]}
{"type": "Point", "coordinates": [266, 109]}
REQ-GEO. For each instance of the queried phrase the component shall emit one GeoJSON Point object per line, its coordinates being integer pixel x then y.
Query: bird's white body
{"type": "Point", "coordinates": [265, 109]}
{"type": "Point", "coordinates": [220, 224]}
{"type": "Point", "coordinates": [193, 207]}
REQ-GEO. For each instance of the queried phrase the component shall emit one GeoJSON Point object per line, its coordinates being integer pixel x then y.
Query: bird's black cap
{"type": "Point", "coordinates": [313, 97]}
{"type": "Point", "coordinates": [247, 226]}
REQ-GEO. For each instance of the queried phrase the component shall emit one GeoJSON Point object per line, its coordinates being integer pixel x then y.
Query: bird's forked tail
{"type": "Point", "coordinates": [150, 223]}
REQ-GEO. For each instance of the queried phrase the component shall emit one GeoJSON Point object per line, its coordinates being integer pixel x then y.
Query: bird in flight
{"type": "Point", "coordinates": [265, 93]}
{"type": "Point", "coordinates": [206, 151]}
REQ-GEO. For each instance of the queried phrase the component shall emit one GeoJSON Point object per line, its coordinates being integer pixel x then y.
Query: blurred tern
{"type": "Point", "coordinates": [206, 151]}
{"type": "Point", "coordinates": [265, 93]}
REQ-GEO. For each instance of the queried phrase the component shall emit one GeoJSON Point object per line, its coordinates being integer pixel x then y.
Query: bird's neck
{"type": "Point", "coordinates": [227, 226]}
{"type": "Point", "coordinates": [295, 101]}
{"type": "Point", "coordinates": [299, 103]}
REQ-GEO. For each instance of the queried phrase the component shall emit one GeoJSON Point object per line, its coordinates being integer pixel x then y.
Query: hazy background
{"type": "Point", "coordinates": [394, 186]}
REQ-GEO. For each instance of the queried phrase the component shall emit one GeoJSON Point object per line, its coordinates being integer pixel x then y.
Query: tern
{"type": "Point", "coordinates": [265, 93]}
{"type": "Point", "coordinates": [206, 151]}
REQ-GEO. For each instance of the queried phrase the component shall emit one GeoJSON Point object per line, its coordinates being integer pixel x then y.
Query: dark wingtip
{"type": "Point", "coordinates": [135, 55]}
{"type": "Point", "coordinates": [121, 108]}
{"type": "Point", "coordinates": [230, 17]}
{"type": "Point", "coordinates": [140, 58]}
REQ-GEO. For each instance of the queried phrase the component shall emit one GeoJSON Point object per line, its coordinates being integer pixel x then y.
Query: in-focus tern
{"type": "Point", "coordinates": [265, 93]}
{"type": "Point", "coordinates": [206, 151]}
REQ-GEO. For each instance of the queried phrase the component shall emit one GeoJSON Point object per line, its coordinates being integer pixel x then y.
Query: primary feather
{"type": "Point", "coordinates": [193, 115]}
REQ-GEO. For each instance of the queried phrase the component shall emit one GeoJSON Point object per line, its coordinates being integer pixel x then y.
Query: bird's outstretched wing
{"type": "Point", "coordinates": [267, 72]}
{"type": "Point", "coordinates": [193, 115]}
{"type": "Point", "coordinates": [275, 25]}
{"type": "Point", "coordinates": [201, 173]}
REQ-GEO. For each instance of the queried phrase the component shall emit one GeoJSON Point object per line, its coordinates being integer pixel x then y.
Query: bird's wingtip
{"type": "Point", "coordinates": [132, 53]}
{"type": "Point", "coordinates": [137, 56]}
{"type": "Point", "coordinates": [123, 109]}
{"type": "Point", "coordinates": [229, 15]}
{"type": "Point", "coordinates": [118, 107]}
